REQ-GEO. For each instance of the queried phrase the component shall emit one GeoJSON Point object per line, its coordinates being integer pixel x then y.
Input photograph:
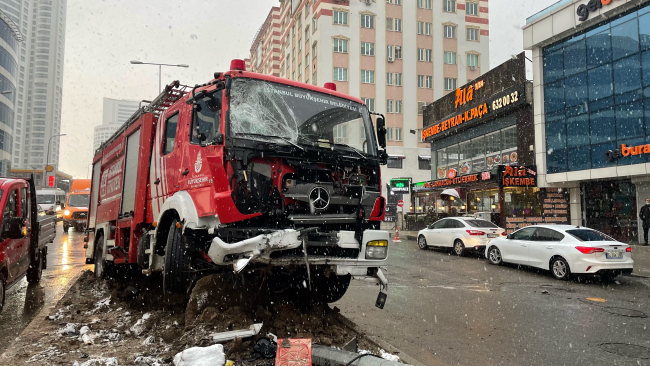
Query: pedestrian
{"type": "Point", "coordinates": [644, 215]}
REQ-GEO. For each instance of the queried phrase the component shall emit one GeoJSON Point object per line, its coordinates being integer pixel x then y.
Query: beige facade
{"type": "Point", "coordinates": [396, 55]}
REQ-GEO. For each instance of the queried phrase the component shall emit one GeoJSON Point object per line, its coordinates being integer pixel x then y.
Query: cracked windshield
{"type": "Point", "coordinates": [318, 182]}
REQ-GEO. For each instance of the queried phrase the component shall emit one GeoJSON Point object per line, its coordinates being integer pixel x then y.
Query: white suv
{"type": "Point", "coordinates": [459, 233]}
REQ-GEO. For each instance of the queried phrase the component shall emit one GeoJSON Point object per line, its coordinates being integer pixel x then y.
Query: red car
{"type": "Point", "coordinates": [23, 238]}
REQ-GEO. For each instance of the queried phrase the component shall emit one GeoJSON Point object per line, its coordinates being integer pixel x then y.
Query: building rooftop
{"type": "Point", "coordinates": [558, 5]}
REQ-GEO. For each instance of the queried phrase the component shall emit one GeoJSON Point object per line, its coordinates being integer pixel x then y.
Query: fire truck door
{"type": "Point", "coordinates": [166, 162]}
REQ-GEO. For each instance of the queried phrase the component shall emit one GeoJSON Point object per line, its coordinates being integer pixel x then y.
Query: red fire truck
{"type": "Point", "coordinates": [247, 170]}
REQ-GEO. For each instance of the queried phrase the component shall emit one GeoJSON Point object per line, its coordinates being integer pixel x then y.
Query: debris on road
{"type": "Point", "coordinates": [201, 356]}
{"type": "Point", "coordinates": [103, 322]}
{"type": "Point", "coordinates": [242, 333]}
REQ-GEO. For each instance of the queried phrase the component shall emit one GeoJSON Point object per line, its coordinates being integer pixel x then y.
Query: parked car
{"type": "Point", "coordinates": [459, 233]}
{"type": "Point", "coordinates": [563, 249]}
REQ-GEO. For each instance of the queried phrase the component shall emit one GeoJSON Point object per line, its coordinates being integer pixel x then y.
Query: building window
{"type": "Point", "coordinates": [424, 55]}
{"type": "Point", "coordinates": [471, 8]}
{"type": "Point", "coordinates": [367, 49]}
{"type": "Point", "coordinates": [314, 23]}
{"type": "Point", "coordinates": [398, 25]}
{"type": "Point", "coordinates": [340, 45]}
{"type": "Point", "coordinates": [367, 21]}
{"type": "Point", "coordinates": [340, 17]}
{"type": "Point", "coordinates": [370, 103]}
{"type": "Point", "coordinates": [449, 6]}
{"type": "Point", "coordinates": [367, 77]}
{"type": "Point", "coordinates": [429, 82]}
{"type": "Point", "coordinates": [398, 106]}
{"type": "Point", "coordinates": [427, 29]}
{"type": "Point", "coordinates": [420, 27]}
{"type": "Point", "coordinates": [422, 4]}
{"type": "Point", "coordinates": [313, 50]}
{"type": "Point", "coordinates": [398, 52]}
{"type": "Point", "coordinates": [472, 60]}
{"type": "Point", "coordinates": [394, 163]}
{"type": "Point", "coordinates": [420, 81]}
{"type": "Point", "coordinates": [472, 34]}
{"type": "Point", "coordinates": [424, 163]}
{"type": "Point", "coordinates": [421, 106]}
{"type": "Point", "coordinates": [450, 84]}
{"type": "Point", "coordinates": [340, 74]}
{"type": "Point", "coordinates": [389, 106]}
{"type": "Point", "coordinates": [450, 31]}
{"type": "Point", "coordinates": [398, 79]}
{"type": "Point", "coordinates": [314, 80]}
{"type": "Point", "coordinates": [394, 2]}
{"type": "Point", "coordinates": [389, 78]}
{"type": "Point", "coordinates": [450, 58]}
{"type": "Point", "coordinates": [299, 70]}
{"type": "Point", "coordinates": [389, 134]}
{"type": "Point", "coordinates": [389, 24]}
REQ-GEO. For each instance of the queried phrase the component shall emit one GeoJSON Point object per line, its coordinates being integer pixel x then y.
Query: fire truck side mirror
{"type": "Point", "coordinates": [381, 131]}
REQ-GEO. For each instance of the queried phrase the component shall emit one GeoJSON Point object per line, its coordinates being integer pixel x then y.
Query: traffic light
{"type": "Point", "coordinates": [50, 182]}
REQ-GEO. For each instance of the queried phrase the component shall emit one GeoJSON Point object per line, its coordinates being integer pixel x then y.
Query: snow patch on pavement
{"type": "Point", "coordinates": [101, 361]}
{"type": "Point", "coordinates": [388, 356]}
{"type": "Point", "coordinates": [201, 356]}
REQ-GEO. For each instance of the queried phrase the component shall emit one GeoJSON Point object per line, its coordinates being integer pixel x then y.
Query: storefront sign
{"type": "Point", "coordinates": [467, 94]}
{"type": "Point", "coordinates": [500, 102]}
{"type": "Point", "coordinates": [593, 5]}
{"type": "Point", "coordinates": [517, 176]}
{"type": "Point", "coordinates": [400, 185]}
{"type": "Point", "coordinates": [635, 150]}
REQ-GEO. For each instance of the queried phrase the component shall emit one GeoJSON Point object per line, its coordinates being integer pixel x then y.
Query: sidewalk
{"type": "Point", "coordinates": [640, 253]}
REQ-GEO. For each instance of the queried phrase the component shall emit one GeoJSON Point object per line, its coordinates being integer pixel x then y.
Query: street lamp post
{"type": "Point", "coordinates": [47, 161]}
{"type": "Point", "coordinates": [159, 69]}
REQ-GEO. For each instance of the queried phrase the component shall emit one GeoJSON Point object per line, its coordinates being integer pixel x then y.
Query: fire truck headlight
{"type": "Point", "coordinates": [66, 213]}
{"type": "Point", "coordinates": [377, 249]}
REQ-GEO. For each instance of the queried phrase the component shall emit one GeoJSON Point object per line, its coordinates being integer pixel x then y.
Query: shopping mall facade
{"type": "Point", "coordinates": [591, 102]}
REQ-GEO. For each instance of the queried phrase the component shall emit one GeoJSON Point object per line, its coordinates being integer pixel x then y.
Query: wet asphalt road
{"type": "Point", "coordinates": [65, 259]}
{"type": "Point", "coordinates": [446, 310]}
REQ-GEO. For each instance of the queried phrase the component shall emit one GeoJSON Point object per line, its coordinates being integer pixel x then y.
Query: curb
{"type": "Point", "coordinates": [10, 352]}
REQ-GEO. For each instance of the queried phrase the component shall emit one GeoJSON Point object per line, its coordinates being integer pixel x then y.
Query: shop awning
{"type": "Point", "coordinates": [396, 156]}
{"type": "Point", "coordinates": [424, 157]}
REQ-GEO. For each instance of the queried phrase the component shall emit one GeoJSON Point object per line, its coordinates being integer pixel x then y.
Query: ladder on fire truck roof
{"type": "Point", "coordinates": [172, 93]}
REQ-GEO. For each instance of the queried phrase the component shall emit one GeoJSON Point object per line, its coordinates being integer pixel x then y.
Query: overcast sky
{"type": "Point", "coordinates": [102, 36]}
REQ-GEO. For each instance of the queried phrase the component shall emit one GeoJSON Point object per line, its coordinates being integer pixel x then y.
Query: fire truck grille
{"type": "Point", "coordinates": [79, 215]}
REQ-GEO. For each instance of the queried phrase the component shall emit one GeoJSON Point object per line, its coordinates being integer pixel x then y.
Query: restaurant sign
{"type": "Point", "coordinates": [517, 176]}
{"type": "Point", "coordinates": [501, 102]}
{"type": "Point", "coordinates": [449, 182]}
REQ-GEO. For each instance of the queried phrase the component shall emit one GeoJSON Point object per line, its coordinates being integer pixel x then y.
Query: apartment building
{"type": "Point", "coordinates": [10, 37]}
{"type": "Point", "coordinates": [114, 114]}
{"type": "Point", "coordinates": [396, 55]}
{"type": "Point", "coordinates": [39, 80]}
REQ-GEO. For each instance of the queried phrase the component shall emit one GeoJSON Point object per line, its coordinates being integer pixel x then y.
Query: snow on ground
{"type": "Point", "coordinates": [387, 356]}
{"type": "Point", "coordinates": [101, 361]}
{"type": "Point", "coordinates": [201, 356]}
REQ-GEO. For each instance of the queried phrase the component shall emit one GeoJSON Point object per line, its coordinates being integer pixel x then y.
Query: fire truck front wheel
{"type": "Point", "coordinates": [176, 276]}
{"type": "Point", "coordinates": [330, 288]}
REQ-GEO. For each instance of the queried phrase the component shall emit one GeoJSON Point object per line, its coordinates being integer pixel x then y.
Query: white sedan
{"type": "Point", "coordinates": [563, 249]}
{"type": "Point", "coordinates": [459, 233]}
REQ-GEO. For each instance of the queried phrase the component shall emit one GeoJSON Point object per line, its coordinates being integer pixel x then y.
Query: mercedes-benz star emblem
{"type": "Point", "coordinates": [319, 198]}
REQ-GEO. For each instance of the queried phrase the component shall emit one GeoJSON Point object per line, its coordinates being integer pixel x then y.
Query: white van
{"type": "Point", "coordinates": [50, 200]}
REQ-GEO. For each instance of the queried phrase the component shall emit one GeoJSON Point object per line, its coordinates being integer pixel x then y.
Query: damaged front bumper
{"type": "Point", "coordinates": [268, 248]}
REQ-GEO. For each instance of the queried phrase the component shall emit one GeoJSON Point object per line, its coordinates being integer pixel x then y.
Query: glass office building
{"type": "Point", "coordinates": [592, 109]}
{"type": "Point", "coordinates": [597, 94]}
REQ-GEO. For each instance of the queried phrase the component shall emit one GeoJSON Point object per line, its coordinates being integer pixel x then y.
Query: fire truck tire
{"type": "Point", "coordinates": [35, 271]}
{"type": "Point", "coordinates": [176, 276]}
{"type": "Point", "coordinates": [65, 228]}
{"type": "Point", "coordinates": [330, 289]}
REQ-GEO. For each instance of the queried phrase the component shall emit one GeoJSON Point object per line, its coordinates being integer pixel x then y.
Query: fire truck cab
{"type": "Point", "coordinates": [245, 171]}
